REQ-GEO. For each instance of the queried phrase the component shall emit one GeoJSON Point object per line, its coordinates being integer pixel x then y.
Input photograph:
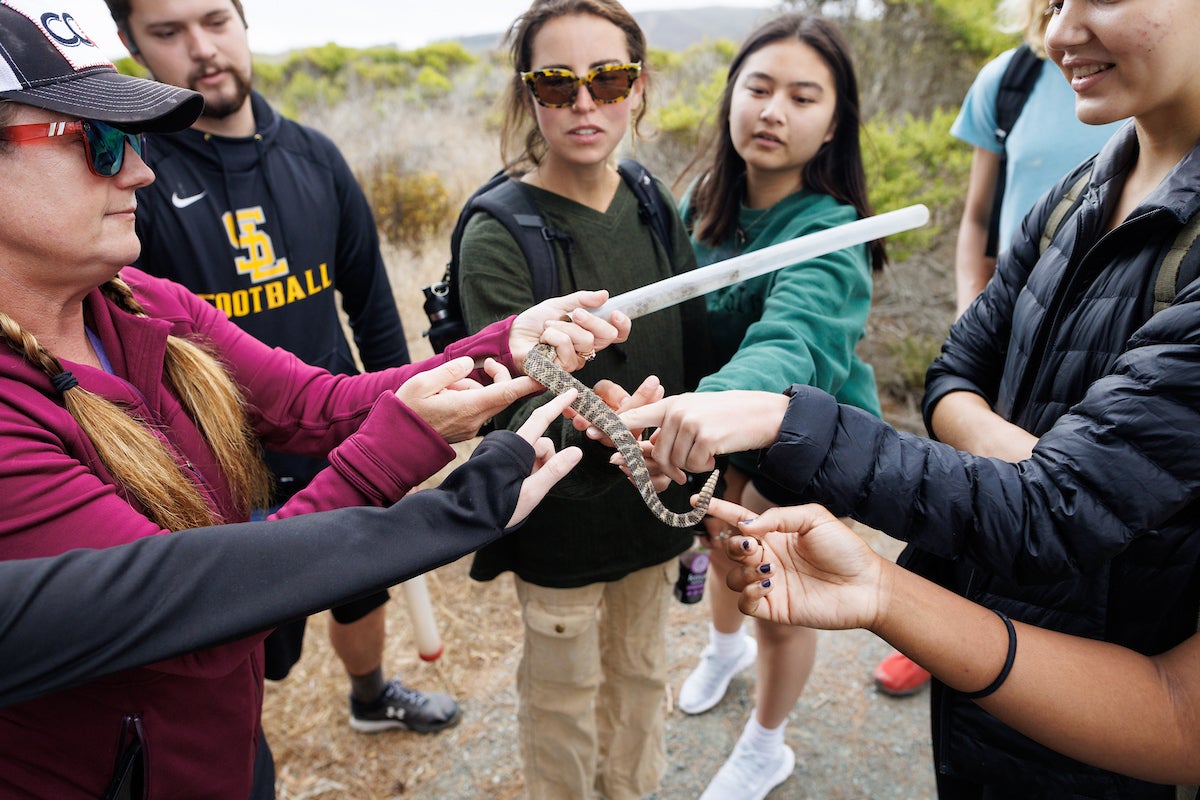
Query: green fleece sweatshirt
{"type": "Point", "coordinates": [799, 324]}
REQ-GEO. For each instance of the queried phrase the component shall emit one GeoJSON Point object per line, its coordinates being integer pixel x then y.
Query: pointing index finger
{"type": "Point", "coordinates": [647, 416]}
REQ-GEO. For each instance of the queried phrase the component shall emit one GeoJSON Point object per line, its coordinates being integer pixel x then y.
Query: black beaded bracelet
{"type": "Point", "coordinates": [1008, 661]}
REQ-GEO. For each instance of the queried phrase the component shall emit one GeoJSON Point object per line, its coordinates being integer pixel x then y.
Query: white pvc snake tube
{"type": "Point", "coordinates": [676, 289]}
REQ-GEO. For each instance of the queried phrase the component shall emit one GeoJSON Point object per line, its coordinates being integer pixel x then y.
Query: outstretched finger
{"type": "Point", "coordinates": [650, 391]}
{"type": "Point", "coordinates": [545, 414]}
{"type": "Point", "coordinates": [650, 415]}
{"type": "Point", "coordinates": [436, 379]}
{"type": "Point", "coordinates": [547, 472]}
{"type": "Point", "coordinates": [496, 370]}
{"type": "Point", "coordinates": [729, 513]}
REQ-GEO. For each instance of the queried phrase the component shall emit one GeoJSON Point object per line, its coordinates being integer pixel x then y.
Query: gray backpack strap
{"type": "Point", "coordinates": [1165, 285]}
{"type": "Point", "coordinates": [1062, 208]}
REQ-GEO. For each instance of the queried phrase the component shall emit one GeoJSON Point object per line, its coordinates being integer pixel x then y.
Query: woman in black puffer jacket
{"type": "Point", "coordinates": [1063, 490]}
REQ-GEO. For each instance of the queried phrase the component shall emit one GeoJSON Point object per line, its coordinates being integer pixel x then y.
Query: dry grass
{"type": "Point", "coordinates": [317, 753]}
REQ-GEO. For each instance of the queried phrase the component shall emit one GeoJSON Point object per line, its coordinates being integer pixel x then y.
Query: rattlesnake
{"type": "Point", "coordinates": [539, 365]}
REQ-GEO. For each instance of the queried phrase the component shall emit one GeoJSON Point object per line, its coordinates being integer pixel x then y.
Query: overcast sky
{"type": "Point", "coordinates": [279, 25]}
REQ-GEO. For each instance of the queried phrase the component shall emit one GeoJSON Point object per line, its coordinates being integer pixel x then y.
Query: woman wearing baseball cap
{"type": "Point", "coordinates": [131, 408]}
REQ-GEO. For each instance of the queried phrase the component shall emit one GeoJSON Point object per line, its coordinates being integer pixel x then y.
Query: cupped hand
{"type": "Point", "coordinates": [695, 428]}
{"type": "Point", "coordinates": [456, 406]}
{"type": "Point", "coordinates": [800, 565]}
{"type": "Point", "coordinates": [549, 467]}
{"type": "Point", "coordinates": [565, 323]}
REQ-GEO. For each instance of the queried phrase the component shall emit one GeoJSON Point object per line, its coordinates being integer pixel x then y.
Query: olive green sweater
{"type": "Point", "coordinates": [594, 525]}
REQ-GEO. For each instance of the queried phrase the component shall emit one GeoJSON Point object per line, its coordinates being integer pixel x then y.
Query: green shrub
{"type": "Point", "coordinates": [327, 60]}
{"type": "Point", "coordinates": [304, 90]}
{"type": "Point", "coordinates": [445, 57]}
{"type": "Point", "coordinates": [682, 117]}
{"type": "Point", "coordinates": [912, 160]}
{"type": "Point", "coordinates": [974, 24]}
{"type": "Point", "coordinates": [433, 83]}
{"type": "Point", "coordinates": [908, 359]}
{"type": "Point", "coordinates": [127, 66]}
{"type": "Point", "coordinates": [410, 208]}
{"type": "Point", "coordinates": [270, 76]}
{"type": "Point", "coordinates": [326, 75]}
{"type": "Point", "coordinates": [383, 74]}
{"type": "Point", "coordinates": [687, 88]}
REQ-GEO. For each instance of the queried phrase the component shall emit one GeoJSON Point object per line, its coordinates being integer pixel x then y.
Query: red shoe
{"type": "Point", "coordinates": [899, 676]}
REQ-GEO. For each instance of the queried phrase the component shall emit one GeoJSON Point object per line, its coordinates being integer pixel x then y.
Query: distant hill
{"type": "Point", "coordinates": [668, 30]}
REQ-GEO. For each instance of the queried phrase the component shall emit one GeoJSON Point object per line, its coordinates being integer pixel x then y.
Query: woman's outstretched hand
{"type": "Point", "coordinates": [800, 565]}
{"type": "Point", "coordinates": [695, 428]}
{"type": "Point", "coordinates": [565, 323]}
{"type": "Point", "coordinates": [455, 405]}
{"type": "Point", "coordinates": [549, 467]}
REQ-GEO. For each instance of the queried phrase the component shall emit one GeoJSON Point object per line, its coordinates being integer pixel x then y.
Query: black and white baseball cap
{"type": "Point", "coordinates": [47, 61]}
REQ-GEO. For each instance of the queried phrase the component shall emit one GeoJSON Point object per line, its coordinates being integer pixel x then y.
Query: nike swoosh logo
{"type": "Point", "coordinates": [184, 202]}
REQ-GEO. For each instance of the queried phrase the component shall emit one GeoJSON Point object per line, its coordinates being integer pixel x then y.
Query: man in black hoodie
{"type": "Point", "coordinates": [263, 218]}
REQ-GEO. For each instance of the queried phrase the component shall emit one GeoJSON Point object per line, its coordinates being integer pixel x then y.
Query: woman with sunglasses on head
{"type": "Point", "coordinates": [593, 568]}
{"type": "Point", "coordinates": [1065, 488]}
{"type": "Point", "coordinates": [784, 161]}
{"type": "Point", "coordinates": [133, 409]}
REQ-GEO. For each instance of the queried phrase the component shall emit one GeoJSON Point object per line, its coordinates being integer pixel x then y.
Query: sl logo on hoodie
{"type": "Point", "coordinates": [274, 286]}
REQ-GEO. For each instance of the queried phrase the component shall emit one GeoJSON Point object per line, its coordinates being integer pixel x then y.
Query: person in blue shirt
{"type": "Point", "coordinates": [1046, 142]}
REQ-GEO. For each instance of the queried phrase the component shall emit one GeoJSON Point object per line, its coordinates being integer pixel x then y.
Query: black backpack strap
{"type": "Point", "coordinates": [508, 201]}
{"type": "Point", "coordinates": [464, 217]}
{"type": "Point", "coordinates": [650, 201]}
{"type": "Point", "coordinates": [510, 204]}
{"type": "Point", "coordinates": [1020, 76]}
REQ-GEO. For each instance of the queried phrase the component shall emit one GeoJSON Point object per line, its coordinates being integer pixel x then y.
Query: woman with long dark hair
{"type": "Point", "coordinates": [784, 161]}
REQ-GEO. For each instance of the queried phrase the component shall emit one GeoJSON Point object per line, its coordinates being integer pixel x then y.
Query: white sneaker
{"type": "Point", "coordinates": [750, 774]}
{"type": "Point", "coordinates": [705, 687]}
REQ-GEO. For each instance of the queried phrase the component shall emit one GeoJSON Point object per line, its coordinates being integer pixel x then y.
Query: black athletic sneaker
{"type": "Point", "coordinates": [399, 707]}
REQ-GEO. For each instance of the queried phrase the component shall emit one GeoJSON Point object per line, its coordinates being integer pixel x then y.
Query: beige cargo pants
{"type": "Point", "coordinates": [591, 686]}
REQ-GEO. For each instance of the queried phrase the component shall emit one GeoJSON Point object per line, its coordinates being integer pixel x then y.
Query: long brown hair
{"type": "Point", "coordinates": [519, 132]}
{"type": "Point", "coordinates": [137, 459]}
{"type": "Point", "coordinates": [836, 169]}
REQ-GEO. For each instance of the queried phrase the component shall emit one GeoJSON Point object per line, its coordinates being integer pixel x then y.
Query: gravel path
{"type": "Point", "coordinates": [850, 741]}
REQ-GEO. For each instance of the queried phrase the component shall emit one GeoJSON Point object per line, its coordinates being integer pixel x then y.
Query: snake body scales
{"type": "Point", "coordinates": [539, 365]}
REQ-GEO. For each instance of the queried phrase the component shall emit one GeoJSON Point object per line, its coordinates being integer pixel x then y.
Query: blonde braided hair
{"type": "Point", "coordinates": [137, 459]}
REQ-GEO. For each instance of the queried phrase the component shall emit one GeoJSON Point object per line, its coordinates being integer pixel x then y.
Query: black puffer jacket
{"type": "Point", "coordinates": [1096, 534]}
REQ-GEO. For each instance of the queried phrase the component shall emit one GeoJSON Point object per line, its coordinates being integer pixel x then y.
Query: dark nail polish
{"type": "Point", "coordinates": [766, 584]}
{"type": "Point", "coordinates": [764, 568]}
{"type": "Point", "coordinates": [745, 544]}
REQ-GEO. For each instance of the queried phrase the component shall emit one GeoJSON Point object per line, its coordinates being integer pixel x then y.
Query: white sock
{"type": "Point", "coordinates": [725, 645]}
{"type": "Point", "coordinates": [760, 739]}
